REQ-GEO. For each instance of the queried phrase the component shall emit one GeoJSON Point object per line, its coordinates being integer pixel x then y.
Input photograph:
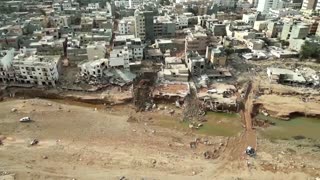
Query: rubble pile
{"type": "Point", "coordinates": [193, 110]}
{"type": "Point", "coordinates": [142, 91]}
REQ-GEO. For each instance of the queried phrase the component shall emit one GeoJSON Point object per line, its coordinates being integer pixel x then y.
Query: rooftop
{"type": "Point", "coordinates": [294, 76]}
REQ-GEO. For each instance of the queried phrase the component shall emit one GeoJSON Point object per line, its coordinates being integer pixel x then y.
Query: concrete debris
{"type": "Point", "coordinates": [154, 106]}
{"type": "Point", "coordinates": [177, 103]}
{"type": "Point", "coordinates": [193, 145]}
{"type": "Point", "coordinates": [25, 119]}
{"type": "Point", "coordinates": [207, 155]}
{"type": "Point", "coordinates": [195, 125]}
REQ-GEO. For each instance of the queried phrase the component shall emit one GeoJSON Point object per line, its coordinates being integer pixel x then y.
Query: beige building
{"type": "Point", "coordinates": [197, 41]}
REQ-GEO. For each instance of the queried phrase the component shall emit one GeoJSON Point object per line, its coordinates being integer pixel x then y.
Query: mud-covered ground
{"type": "Point", "coordinates": [95, 142]}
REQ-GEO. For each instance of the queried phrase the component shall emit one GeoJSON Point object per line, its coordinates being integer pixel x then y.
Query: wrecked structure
{"type": "Point", "coordinates": [219, 97]}
{"type": "Point", "coordinates": [286, 76]}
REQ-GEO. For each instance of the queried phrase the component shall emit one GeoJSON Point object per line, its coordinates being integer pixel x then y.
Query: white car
{"type": "Point", "coordinates": [25, 119]}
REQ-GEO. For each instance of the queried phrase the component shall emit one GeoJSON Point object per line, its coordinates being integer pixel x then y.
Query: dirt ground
{"type": "Point", "coordinates": [80, 141]}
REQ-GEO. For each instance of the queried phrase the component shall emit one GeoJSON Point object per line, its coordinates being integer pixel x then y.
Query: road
{"type": "Point", "coordinates": [237, 146]}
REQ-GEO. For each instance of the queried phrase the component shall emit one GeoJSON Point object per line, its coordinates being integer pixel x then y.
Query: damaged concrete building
{"type": "Point", "coordinates": [285, 76]}
{"type": "Point", "coordinates": [219, 97]}
{"type": "Point", "coordinates": [195, 63]}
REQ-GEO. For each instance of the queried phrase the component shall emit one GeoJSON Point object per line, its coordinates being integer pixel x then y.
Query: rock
{"type": "Point", "coordinates": [134, 130]}
{"type": "Point", "coordinates": [49, 104]}
{"type": "Point", "coordinates": [178, 104]}
{"type": "Point", "coordinates": [191, 126]}
{"type": "Point", "coordinates": [14, 110]}
{"type": "Point", "coordinates": [44, 157]}
{"type": "Point", "coordinates": [154, 106]}
{"type": "Point", "coordinates": [221, 144]}
{"type": "Point", "coordinates": [95, 109]}
{"type": "Point", "coordinates": [154, 161]}
{"type": "Point", "coordinates": [153, 131]}
{"type": "Point", "coordinates": [171, 111]}
{"type": "Point", "coordinates": [194, 173]}
{"type": "Point", "coordinates": [207, 154]}
{"type": "Point", "coordinates": [122, 178]}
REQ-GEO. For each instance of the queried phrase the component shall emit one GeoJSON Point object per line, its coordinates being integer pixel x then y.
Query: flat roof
{"type": "Point", "coordinates": [295, 76]}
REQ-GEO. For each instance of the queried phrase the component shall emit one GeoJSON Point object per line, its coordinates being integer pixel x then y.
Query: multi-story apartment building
{"type": "Point", "coordinates": [195, 63]}
{"type": "Point", "coordinates": [274, 28]}
{"type": "Point", "coordinates": [310, 5]}
{"type": "Point", "coordinates": [163, 27]}
{"type": "Point", "coordinates": [294, 30]}
{"type": "Point", "coordinates": [197, 41]}
{"type": "Point", "coordinates": [28, 68]}
{"type": "Point", "coordinates": [97, 50]}
{"type": "Point", "coordinates": [134, 45]}
{"type": "Point", "coordinates": [144, 25]}
{"type": "Point", "coordinates": [264, 5]}
{"type": "Point", "coordinates": [127, 25]}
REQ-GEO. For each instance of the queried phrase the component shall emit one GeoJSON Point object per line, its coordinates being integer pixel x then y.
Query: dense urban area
{"type": "Point", "coordinates": [159, 89]}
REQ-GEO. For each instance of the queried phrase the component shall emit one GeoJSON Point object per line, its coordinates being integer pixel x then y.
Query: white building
{"type": "Point", "coordinates": [66, 5]}
{"type": "Point", "coordinates": [33, 69]}
{"type": "Point", "coordinates": [318, 5]}
{"type": "Point", "coordinates": [119, 57]}
{"type": "Point", "coordinates": [182, 21]}
{"type": "Point", "coordinates": [57, 6]}
{"type": "Point", "coordinates": [127, 25]}
{"type": "Point", "coordinates": [93, 6]}
{"type": "Point", "coordinates": [93, 68]}
{"type": "Point", "coordinates": [264, 5]}
{"type": "Point", "coordinates": [122, 3]}
{"type": "Point", "coordinates": [97, 50]}
{"type": "Point", "coordinates": [140, 29]}
{"type": "Point", "coordinates": [134, 46]}
{"type": "Point", "coordinates": [249, 18]}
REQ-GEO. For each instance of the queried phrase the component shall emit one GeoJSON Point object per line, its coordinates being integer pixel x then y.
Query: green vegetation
{"type": "Point", "coordinates": [310, 50]}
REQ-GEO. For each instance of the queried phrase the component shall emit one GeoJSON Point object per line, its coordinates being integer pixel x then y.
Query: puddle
{"type": "Point", "coordinates": [218, 124]}
{"type": "Point", "coordinates": [300, 126]}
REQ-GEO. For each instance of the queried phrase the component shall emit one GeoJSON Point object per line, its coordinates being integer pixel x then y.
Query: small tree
{"type": "Point", "coordinates": [310, 49]}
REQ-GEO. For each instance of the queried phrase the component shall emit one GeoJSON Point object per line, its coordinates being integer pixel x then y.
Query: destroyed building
{"type": "Point", "coordinates": [219, 97]}
{"type": "Point", "coordinates": [285, 76]}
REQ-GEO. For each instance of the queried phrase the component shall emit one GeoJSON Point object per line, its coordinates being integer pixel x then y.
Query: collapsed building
{"type": "Point", "coordinates": [285, 76]}
{"type": "Point", "coordinates": [219, 97]}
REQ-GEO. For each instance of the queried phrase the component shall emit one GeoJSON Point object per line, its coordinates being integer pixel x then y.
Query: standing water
{"type": "Point", "coordinates": [299, 126]}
